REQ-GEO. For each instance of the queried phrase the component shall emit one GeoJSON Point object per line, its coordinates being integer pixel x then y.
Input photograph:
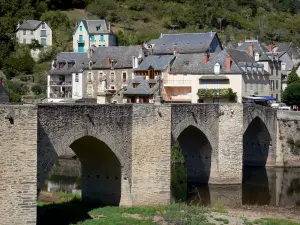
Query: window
{"type": "Point", "coordinates": [151, 85]}
{"type": "Point", "coordinates": [276, 84]}
{"type": "Point", "coordinates": [246, 86]}
{"type": "Point", "coordinates": [101, 38]}
{"type": "Point", "coordinates": [43, 26]}
{"type": "Point", "coordinates": [43, 33]}
{"type": "Point", "coordinates": [81, 38]}
{"type": "Point", "coordinates": [92, 37]}
{"type": "Point", "coordinates": [24, 32]}
{"type": "Point", "coordinates": [112, 87]}
{"type": "Point", "coordinates": [112, 76]}
{"type": "Point", "coordinates": [276, 96]}
{"type": "Point", "coordinates": [31, 32]}
{"type": "Point", "coordinates": [89, 77]}
{"type": "Point", "coordinates": [262, 87]}
{"type": "Point", "coordinates": [124, 76]}
{"type": "Point", "coordinates": [251, 88]}
{"type": "Point", "coordinates": [151, 73]}
{"type": "Point", "coordinates": [283, 66]}
{"type": "Point", "coordinates": [134, 85]}
{"type": "Point", "coordinates": [204, 82]}
{"type": "Point", "coordinates": [43, 41]}
{"type": "Point", "coordinates": [100, 76]}
{"type": "Point", "coordinates": [80, 28]}
{"type": "Point", "coordinates": [90, 90]}
{"type": "Point", "coordinates": [24, 41]}
{"type": "Point", "coordinates": [76, 77]}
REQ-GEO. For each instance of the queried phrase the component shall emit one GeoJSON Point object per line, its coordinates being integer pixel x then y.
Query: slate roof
{"type": "Point", "coordinates": [30, 25]}
{"type": "Point", "coordinates": [158, 62]}
{"type": "Point", "coordinates": [92, 24]}
{"type": "Point", "coordinates": [4, 94]}
{"type": "Point", "coordinates": [142, 88]}
{"type": "Point", "coordinates": [186, 43]}
{"type": "Point", "coordinates": [288, 48]}
{"type": "Point", "coordinates": [81, 61]}
{"type": "Point", "coordinates": [188, 63]}
{"type": "Point", "coordinates": [257, 47]}
{"type": "Point", "coordinates": [121, 55]}
{"type": "Point", "coordinates": [239, 59]}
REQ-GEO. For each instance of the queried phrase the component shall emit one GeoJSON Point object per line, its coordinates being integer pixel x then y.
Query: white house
{"type": "Point", "coordinates": [92, 33]}
{"type": "Point", "coordinates": [31, 30]}
{"type": "Point", "coordinates": [65, 79]}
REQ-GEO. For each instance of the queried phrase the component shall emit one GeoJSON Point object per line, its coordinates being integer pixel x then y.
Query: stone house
{"type": "Point", "coordinates": [271, 64]}
{"type": "Point", "coordinates": [111, 69]}
{"type": "Point", "coordinates": [147, 79]}
{"type": "Point", "coordinates": [37, 30]}
{"type": "Point", "coordinates": [92, 33]}
{"type": "Point", "coordinates": [65, 79]}
{"type": "Point", "coordinates": [215, 73]}
{"type": "Point", "coordinates": [186, 43]}
{"type": "Point", "coordinates": [289, 55]}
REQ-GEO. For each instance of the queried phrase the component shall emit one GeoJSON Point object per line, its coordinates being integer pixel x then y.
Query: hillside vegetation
{"type": "Point", "coordinates": [137, 21]}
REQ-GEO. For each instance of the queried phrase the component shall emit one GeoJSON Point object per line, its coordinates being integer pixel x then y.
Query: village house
{"type": "Point", "coordinates": [147, 81]}
{"type": "Point", "coordinates": [111, 69]}
{"type": "Point", "coordinates": [289, 55]}
{"type": "Point", "coordinates": [92, 33]}
{"type": "Point", "coordinates": [65, 79]}
{"type": "Point", "coordinates": [37, 30]}
{"type": "Point", "coordinates": [271, 62]}
{"type": "Point", "coordinates": [206, 78]}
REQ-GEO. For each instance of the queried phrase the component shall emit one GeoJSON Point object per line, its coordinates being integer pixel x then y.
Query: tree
{"type": "Point", "coordinates": [291, 95]}
{"type": "Point", "coordinates": [293, 77]}
{"type": "Point", "coordinates": [38, 89]}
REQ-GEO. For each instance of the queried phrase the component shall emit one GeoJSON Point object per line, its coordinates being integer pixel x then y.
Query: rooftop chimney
{"type": "Point", "coordinates": [206, 58]}
{"type": "Point", "coordinates": [108, 61]}
{"type": "Point", "coordinates": [228, 63]}
{"type": "Point", "coordinates": [270, 47]}
{"type": "Point", "coordinates": [250, 48]}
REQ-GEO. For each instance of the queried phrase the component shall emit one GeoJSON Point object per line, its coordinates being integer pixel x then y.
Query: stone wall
{"type": "Point", "coordinates": [151, 154]}
{"type": "Point", "coordinates": [288, 138]}
{"type": "Point", "coordinates": [18, 145]}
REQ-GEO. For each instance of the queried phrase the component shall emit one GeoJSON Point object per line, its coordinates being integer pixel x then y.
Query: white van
{"type": "Point", "coordinates": [281, 106]}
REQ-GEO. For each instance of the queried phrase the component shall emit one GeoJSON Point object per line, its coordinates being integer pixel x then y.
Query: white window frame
{"type": "Point", "coordinates": [90, 77]}
{"type": "Point", "coordinates": [126, 76]}
{"type": "Point", "coordinates": [112, 77]}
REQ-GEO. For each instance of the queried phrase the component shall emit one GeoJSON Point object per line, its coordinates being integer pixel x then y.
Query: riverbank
{"type": "Point", "coordinates": [63, 209]}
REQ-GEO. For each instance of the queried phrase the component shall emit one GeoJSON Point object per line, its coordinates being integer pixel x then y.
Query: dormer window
{"type": "Point", "coordinates": [71, 64]}
{"type": "Point", "coordinates": [43, 26]}
{"type": "Point", "coordinates": [61, 65]}
{"type": "Point", "coordinates": [256, 56]}
{"type": "Point", "coordinates": [217, 68]}
{"type": "Point", "coordinates": [151, 85]}
{"type": "Point", "coordinates": [134, 85]}
{"type": "Point", "coordinates": [97, 28]}
{"type": "Point", "coordinates": [283, 66]}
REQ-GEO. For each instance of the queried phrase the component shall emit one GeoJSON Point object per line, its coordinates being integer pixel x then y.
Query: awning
{"type": "Point", "coordinates": [213, 77]}
{"type": "Point", "coordinates": [268, 98]}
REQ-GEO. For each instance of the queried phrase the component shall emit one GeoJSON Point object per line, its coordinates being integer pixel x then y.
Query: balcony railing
{"type": "Point", "coordinates": [60, 83]}
{"type": "Point", "coordinates": [177, 83]}
{"type": "Point", "coordinates": [67, 94]}
{"type": "Point", "coordinates": [81, 41]}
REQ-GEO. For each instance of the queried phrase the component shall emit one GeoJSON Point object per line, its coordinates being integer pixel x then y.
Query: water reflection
{"type": "Point", "coordinates": [261, 186]}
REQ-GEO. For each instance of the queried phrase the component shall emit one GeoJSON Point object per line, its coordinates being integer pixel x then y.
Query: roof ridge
{"type": "Point", "coordinates": [192, 33]}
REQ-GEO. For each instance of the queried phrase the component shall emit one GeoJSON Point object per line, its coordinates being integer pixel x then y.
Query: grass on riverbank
{"type": "Point", "coordinates": [67, 210]}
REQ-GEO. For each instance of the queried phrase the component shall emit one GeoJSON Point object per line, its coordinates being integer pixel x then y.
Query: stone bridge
{"type": "Point", "coordinates": [125, 150]}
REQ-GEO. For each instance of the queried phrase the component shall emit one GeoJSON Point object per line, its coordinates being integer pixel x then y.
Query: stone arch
{"type": "Point", "coordinates": [62, 145]}
{"type": "Point", "coordinates": [187, 122]}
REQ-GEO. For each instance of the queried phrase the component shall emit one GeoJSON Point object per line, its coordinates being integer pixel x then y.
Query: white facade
{"type": "Point", "coordinates": [43, 34]}
{"type": "Point", "coordinates": [64, 87]}
{"type": "Point", "coordinates": [83, 40]}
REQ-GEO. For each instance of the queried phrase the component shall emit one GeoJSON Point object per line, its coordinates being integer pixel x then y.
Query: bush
{"type": "Point", "coordinates": [291, 95]}
{"type": "Point", "coordinates": [38, 89]}
{"type": "Point", "coordinates": [290, 141]}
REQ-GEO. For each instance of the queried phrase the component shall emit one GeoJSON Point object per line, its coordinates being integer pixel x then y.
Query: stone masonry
{"type": "Point", "coordinates": [18, 145]}
{"type": "Point", "coordinates": [128, 148]}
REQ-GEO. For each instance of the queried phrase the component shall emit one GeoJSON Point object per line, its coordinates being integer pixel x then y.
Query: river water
{"type": "Point", "coordinates": [261, 186]}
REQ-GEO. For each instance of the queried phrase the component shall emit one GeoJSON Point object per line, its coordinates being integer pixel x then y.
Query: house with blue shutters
{"type": "Point", "coordinates": [92, 33]}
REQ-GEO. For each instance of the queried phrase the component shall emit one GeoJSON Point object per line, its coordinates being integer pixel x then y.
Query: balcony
{"type": "Point", "coordinates": [179, 98]}
{"type": "Point", "coordinates": [177, 83]}
{"type": "Point", "coordinates": [60, 83]}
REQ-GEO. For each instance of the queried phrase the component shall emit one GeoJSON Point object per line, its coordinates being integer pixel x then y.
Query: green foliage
{"type": "Point", "coordinates": [177, 155]}
{"type": "Point", "coordinates": [290, 141]}
{"type": "Point", "coordinates": [179, 183]}
{"type": "Point", "coordinates": [293, 77]}
{"type": "Point", "coordinates": [212, 93]}
{"type": "Point", "coordinates": [291, 95]}
{"type": "Point", "coordinates": [38, 89]}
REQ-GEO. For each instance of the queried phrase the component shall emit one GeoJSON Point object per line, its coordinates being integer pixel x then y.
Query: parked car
{"type": "Point", "coordinates": [280, 106]}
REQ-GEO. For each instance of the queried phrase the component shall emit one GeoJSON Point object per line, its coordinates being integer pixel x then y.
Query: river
{"type": "Point", "coordinates": [261, 186]}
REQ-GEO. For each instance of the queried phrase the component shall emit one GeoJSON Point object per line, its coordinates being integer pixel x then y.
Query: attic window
{"type": "Point", "coordinates": [151, 85]}
{"type": "Point", "coordinates": [61, 65]}
{"type": "Point", "coordinates": [71, 64]}
{"type": "Point", "coordinates": [134, 85]}
{"type": "Point", "coordinates": [97, 28]}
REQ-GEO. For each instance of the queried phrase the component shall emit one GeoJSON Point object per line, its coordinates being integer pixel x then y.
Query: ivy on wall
{"type": "Point", "coordinates": [220, 92]}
